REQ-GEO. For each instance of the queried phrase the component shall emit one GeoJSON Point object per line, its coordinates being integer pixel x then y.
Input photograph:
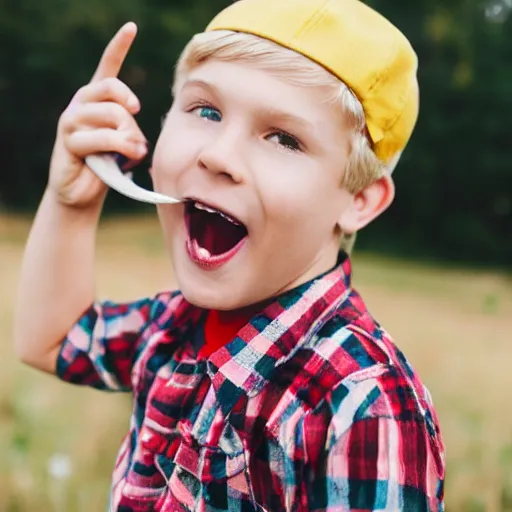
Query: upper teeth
{"type": "Point", "coordinates": [200, 206]}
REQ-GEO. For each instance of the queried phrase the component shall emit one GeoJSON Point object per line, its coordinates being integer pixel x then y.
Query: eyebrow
{"type": "Point", "coordinates": [270, 112]}
{"type": "Point", "coordinates": [198, 83]}
{"type": "Point", "coordinates": [288, 118]}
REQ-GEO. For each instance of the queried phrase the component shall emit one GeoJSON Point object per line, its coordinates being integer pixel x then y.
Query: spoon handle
{"type": "Point", "coordinates": [107, 169]}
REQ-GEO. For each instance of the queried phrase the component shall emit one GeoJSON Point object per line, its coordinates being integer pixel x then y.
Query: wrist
{"type": "Point", "coordinates": [76, 213]}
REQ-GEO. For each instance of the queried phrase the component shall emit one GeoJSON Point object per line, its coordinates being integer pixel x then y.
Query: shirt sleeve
{"type": "Point", "coordinates": [101, 349]}
{"type": "Point", "coordinates": [384, 452]}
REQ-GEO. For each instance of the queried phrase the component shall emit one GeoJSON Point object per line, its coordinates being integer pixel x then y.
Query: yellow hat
{"type": "Point", "coordinates": [353, 42]}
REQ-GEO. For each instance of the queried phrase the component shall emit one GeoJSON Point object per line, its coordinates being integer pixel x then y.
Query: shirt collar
{"type": "Point", "coordinates": [271, 337]}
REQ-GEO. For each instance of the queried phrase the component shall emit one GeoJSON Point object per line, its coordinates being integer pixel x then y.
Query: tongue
{"type": "Point", "coordinates": [214, 233]}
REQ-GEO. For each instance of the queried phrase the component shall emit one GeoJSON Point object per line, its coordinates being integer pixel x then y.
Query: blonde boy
{"type": "Point", "coordinates": [264, 383]}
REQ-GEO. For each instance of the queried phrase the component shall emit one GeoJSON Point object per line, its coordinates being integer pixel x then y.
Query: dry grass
{"type": "Point", "coordinates": [455, 326]}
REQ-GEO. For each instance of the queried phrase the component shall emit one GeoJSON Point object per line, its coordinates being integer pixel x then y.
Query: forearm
{"type": "Point", "coordinates": [57, 279]}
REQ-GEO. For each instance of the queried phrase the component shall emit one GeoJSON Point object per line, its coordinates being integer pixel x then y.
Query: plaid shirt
{"type": "Point", "coordinates": [310, 408]}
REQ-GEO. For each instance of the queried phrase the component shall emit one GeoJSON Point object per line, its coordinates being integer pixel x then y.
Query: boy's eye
{"type": "Point", "coordinates": [286, 140]}
{"type": "Point", "coordinates": [210, 113]}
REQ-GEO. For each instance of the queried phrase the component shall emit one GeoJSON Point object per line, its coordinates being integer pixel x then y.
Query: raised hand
{"type": "Point", "coordinates": [98, 119]}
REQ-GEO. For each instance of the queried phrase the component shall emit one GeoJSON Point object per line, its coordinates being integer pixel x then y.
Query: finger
{"type": "Point", "coordinates": [109, 89]}
{"type": "Point", "coordinates": [104, 140]}
{"type": "Point", "coordinates": [115, 53]}
{"type": "Point", "coordinates": [102, 115]}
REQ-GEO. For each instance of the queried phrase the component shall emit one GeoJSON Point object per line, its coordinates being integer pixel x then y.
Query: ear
{"type": "Point", "coordinates": [367, 205]}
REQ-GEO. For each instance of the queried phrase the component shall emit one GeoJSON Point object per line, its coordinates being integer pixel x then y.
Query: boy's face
{"type": "Point", "coordinates": [269, 154]}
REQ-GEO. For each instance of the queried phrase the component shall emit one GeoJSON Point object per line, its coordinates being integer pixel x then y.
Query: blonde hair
{"type": "Point", "coordinates": [363, 166]}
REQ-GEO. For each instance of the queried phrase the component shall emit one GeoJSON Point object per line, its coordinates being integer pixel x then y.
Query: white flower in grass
{"type": "Point", "coordinates": [59, 466]}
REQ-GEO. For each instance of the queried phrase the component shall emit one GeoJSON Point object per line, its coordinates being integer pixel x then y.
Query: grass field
{"type": "Point", "coordinates": [58, 442]}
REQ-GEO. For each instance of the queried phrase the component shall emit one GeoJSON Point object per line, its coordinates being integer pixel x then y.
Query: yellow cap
{"type": "Point", "coordinates": [352, 41]}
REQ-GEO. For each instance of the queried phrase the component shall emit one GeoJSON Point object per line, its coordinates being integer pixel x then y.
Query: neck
{"type": "Point", "coordinates": [244, 312]}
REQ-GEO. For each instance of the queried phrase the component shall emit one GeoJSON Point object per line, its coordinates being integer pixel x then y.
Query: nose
{"type": "Point", "coordinates": [220, 156]}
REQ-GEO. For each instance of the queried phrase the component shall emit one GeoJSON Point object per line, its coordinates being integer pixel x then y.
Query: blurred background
{"type": "Point", "coordinates": [436, 269]}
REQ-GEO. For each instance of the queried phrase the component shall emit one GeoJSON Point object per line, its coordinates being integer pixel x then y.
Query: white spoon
{"type": "Point", "coordinates": [108, 171]}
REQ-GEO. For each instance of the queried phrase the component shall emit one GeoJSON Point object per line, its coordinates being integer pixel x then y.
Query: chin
{"type": "Point", "coordinates": [209, 251]}
{"type": "Point", "coordinates": [214, 289]}
{"type": "Point", "coordinates": [221, 297]}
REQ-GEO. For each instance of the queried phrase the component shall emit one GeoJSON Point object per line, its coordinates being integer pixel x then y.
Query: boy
{"type": "Point", "coordinates": [264, 384]}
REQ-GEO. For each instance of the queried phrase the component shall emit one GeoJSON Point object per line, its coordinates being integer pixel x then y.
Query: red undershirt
{"type": "Point", "coordinates": [221, 327]}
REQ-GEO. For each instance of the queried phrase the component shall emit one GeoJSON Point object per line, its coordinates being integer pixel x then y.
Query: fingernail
{"type": "Point", "coordinates": [133, 103]}
{"type": "Point", "coordinates": [141, 149]}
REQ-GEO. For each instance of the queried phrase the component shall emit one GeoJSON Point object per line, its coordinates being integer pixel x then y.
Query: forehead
{"type": "Point", "coordinates": [251, 86]}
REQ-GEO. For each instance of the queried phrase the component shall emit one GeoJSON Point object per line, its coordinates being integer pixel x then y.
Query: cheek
{"type": "Point", "coordinates": [303, 200]}
{"type": "Point", "coordinates": [286, 207]}
{"type": "Point", "coordinates": [172, 154]}
{"type": "Point", "coordinates": [171, 222]}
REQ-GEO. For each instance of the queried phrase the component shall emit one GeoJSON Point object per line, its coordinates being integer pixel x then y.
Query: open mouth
{"type": "Point", "coordinates": [214, 237]}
